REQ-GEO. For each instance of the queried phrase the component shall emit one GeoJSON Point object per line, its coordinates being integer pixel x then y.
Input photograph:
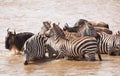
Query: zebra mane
{"type": "Point", "coordinates": [58, 31]}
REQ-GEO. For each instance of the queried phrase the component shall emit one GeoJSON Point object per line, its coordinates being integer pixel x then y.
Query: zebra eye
{"type": "Point", "coordinates": [47, 35]}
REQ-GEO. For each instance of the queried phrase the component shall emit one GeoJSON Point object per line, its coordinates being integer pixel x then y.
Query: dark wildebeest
{"type": "Point", "coordinates": [93, 23]}
{"type": "Point", "coordinates": [82, 28]}
{"type": "Point", "coordinates": [15, 41]}
{"type": "Point", "coordinates": [99, 29]}
{"type": "Point", "coordinates": [80, 23]}
{"type": "Point", "coordinates": [99, 24]}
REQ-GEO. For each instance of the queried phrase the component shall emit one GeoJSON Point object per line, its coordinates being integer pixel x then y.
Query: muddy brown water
{"type": "Point", "coordinates": [27, 15]}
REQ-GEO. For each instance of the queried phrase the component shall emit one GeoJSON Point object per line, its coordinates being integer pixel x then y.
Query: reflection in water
{"type": "Point", "coordinates": [13, 65]}
{"type": "Point", "coordinates": [24, 15]}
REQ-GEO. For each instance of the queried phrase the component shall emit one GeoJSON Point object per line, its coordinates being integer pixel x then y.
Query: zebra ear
{"type": "Point", "coordinates": [47, 24]}
{"type": "Point", "coordinates": [59, 31]}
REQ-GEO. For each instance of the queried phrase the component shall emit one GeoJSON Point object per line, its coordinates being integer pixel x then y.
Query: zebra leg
{"type": "Point", "coordinates": [51, 51]}
{"type": "Point", "coordinates": [99, 55]}
{"type": "Point", "coordinates": [60, 54]}
{"type": "Point", "coordinates": [27, 59]}
{"type": "Point", "coordinates": [116, 52]}
{"type": "Point", "coordinates": [109, 50]}
{"type": "Point", "coordinates": [91, 57]}
{"type": "Point", "coordinates": [70, 58]}
{"type": "Point", "coordinates": [83, 56]}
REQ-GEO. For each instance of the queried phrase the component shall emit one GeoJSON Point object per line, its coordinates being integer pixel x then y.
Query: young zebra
{"type": "Point", "coordinates": [35, 47]}
{"type": "Point", "coordinates": [75, 47]}
{"type": "Point", "coordinates": [109, 44]}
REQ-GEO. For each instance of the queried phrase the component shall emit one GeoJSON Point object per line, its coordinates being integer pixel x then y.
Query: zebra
{"type": "Point", "coordinates": [34, 47]}
{"type": "Point", "coordinates": [118, 33]}
{"type": "Point", "coordinates": [80, 47]}
{"type": "Point", "coordinates": [46, 26]}
{"type": "Point", "coordinates": [109, 44]}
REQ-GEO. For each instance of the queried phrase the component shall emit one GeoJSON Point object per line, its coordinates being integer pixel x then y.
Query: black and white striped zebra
{"type": "Point", "coordinates": [35, 47]}
{"type": "Point", "coordinates": [75, 47]}
{"type": "Point", "coordinates": [109, 44]}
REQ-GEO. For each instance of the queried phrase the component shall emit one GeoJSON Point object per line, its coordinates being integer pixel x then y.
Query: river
{"type": "Point", "coordinates": [28, 15]}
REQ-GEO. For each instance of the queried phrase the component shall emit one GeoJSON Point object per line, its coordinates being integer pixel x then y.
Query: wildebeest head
{"type": "Point", "coordinates": [70, 29]}
{"type": "Point", "coordinates": [9, 39]}
{"type": "Point", "coordinates": [80, 23]}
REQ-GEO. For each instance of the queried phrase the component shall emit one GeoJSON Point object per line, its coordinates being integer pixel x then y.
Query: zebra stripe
{"type": "Point", "coordinates": [35, 47]}
{"type": "Point", "coordinates": [74, 47]}
{"type": "Point", "coordinates": [109, 44]}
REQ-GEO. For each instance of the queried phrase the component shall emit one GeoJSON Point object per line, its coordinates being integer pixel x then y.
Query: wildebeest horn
{"type": "Point", "coordinates": [118, 32]}
{"type": "Point", "coordinates": [58, 23]}
{"type": "Point", "coordinates": [50, 22]}
{"type": "Point", "coordinates": [8, 30]}
{"type": "Point", "coordinates": [14, 32]}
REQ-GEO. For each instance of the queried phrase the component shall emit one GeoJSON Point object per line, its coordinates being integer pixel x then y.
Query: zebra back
{"type": "Point", "coordinates": [34, 47]}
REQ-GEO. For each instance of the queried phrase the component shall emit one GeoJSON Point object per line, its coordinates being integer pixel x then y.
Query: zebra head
{"type": "Point", "coordinates": [118, 33]}
{"type": "Point", "coordinates": [117, 41]}
{"type": "Point", "coordinates": [9, 39]}
{"type": "Point", "coordinates": [87, 30]}
{"type": "Point", "coordinates": [55, 31]}
{"type": "Point", "coordinates": [90, 30]}
{"type": "Point", "coordinates": [46, 26]}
